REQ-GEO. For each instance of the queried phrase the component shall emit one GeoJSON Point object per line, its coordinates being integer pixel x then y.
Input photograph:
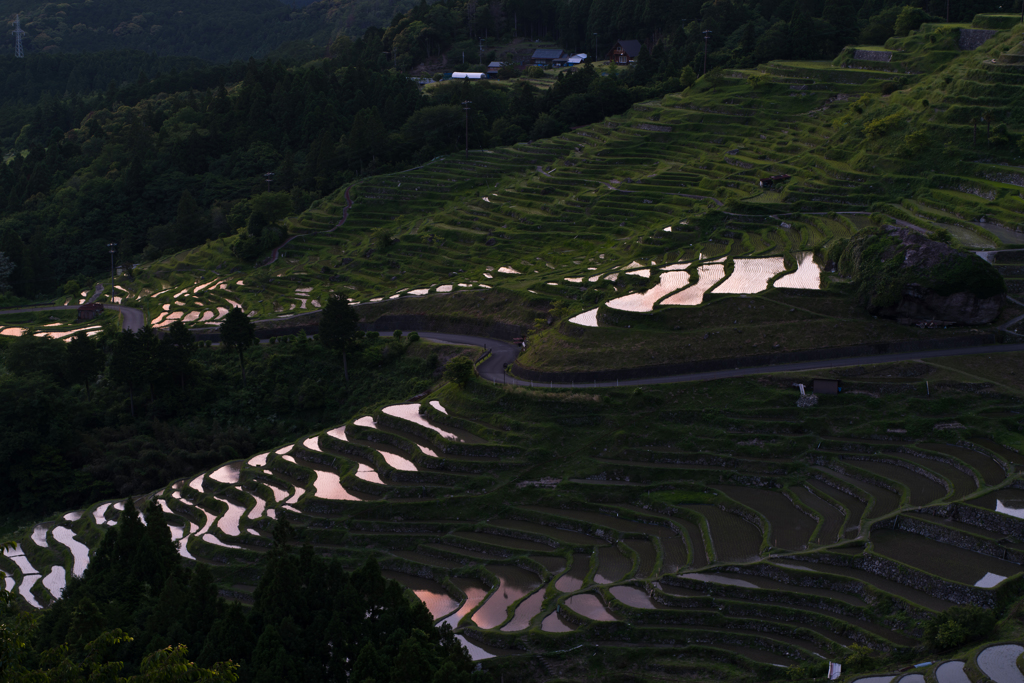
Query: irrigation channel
{"type": "Point", "coordinates": [770, 576]}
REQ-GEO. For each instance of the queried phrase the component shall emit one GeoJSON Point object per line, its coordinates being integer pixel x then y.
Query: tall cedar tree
{"type": "Point", "coordinates": [133, 359]}
{"type": "Point", "coordinates": [179, 348]}
{"type": "Point", "coordinates": [238, 332]}
{"type": "Point", "coordinates": [339, 327]}
{"type": "Point", "coordinates": [84, 360]}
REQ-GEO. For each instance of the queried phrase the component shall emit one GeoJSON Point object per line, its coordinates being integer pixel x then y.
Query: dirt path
{"type": "Point", "coordinates": [277, 250]}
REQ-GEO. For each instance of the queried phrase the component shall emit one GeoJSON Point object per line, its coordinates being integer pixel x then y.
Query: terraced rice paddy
{"type": "Point", "coordinates": [807, 275]}
{"type": "Point", "coordinates": [750, 276]}
{"type": "Point", "coordinates": [787, 562]}
{"type": "Point", "coordinates": [707, 277]}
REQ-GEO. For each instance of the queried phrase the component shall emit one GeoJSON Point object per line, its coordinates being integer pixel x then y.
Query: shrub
{"type": "Point", "coordinates": [459, 370]}
{"type": "Point", "coordinates": [889, 87]}
{"type": "Point", "coordinates": [397, 334]}
{"type": "Point", "coordinates": [535, 72]}
{"type": "Point", "coordinates": [959, 625]}
{"type": "Point", "coordinates": [413, 337]}
{"type": "Point", "coordinates": [372, 335]}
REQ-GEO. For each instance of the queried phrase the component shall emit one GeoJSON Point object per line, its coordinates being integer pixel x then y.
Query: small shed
{"type": "Point", "coordinates": [624, 52]}
{"type": "Point", "coordinates": [546, 57]}
{"type": "Point", "coordinates": [828, 386]}
{"type": "Point", "coordinates": [577, 59]}
{"type": "Point", "coordinates": [493, 68]}
{"type": "Point", "coordinates": [773, 180]}
{"type": "Point", "coordinates": [89, 311]}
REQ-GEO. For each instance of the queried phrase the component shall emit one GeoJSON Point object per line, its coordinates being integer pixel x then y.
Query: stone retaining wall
{"type": "Point", "coordinates": [872, 55]}
{"type": "Point", "coordinates": [973, 38]}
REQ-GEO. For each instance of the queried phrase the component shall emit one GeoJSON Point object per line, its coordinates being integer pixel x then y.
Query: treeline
{"type": "Point", "coordinates": [310, 621]}
{"type": "Point", "coordinates": [67, 432]}
{"type": "Point", "coordinates": [742, 33]}
{"type": "Point", "coordinates": [228, 30]}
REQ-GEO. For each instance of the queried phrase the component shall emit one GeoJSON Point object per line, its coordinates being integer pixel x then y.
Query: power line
{"type": "Point", "coordinates": [19, 51]}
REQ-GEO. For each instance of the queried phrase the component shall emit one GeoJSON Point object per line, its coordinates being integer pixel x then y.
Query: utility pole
{"type": "Point", "coordinates": [113, 248]}
{"type": "Point", "coordinates": [707, 37]}
{"type": "Point", "coordinates": [595, 48]}
{"type": "Point", "coordinates": [465, 108]}
{"type": "Point", "coordinates": [19, 51]}
{"type": "Point", "coordinates": [480, 58]}
{"type": "Point", "coordinates": [270, 178]}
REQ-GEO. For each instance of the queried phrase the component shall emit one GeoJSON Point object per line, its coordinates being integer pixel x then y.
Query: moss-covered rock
{"type": "Point", "coordinates": [904, 275]}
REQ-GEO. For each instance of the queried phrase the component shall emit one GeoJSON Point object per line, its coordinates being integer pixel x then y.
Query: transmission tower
{"type": "Point", "coordinates": [19, 51]}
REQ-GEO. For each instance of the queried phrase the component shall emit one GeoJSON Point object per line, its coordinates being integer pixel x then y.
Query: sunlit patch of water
{"type": "Point", "coordinates": [806, 276]}
{"type": "Point", "coordinates": [708, 276]}
{"type": "Point", "coordinates": [39, 536]}
{"type": "Point", "coordinates": [258, 460]}
{"type": "Point", "coordinates": [750, 276]}
{"type": "Point", "coordinates": [509, 271]}
{"type": "Point", "coordinates": [553, 623]}
{"type": "Point", "coordinates": [229, 522]}
{"type": "Point", "coordinates": [644, 302]}
{"type": "Point", "coordinates": [213, 540]}
{"type": "Point", "coordinates": [197, 483]}
{"type": "Point", "coordinates": [228, 474]}
{"type": "Point", "coordinates": [55, 581]}
{"type": "Point", "coordinates": [79, 550]}
{"type": "Point", "coordinates": [411, 412]}
{"type": "Point", "coordinates": [586, 319]}
{"type": "Point", "coordinates": [25, 590]}
{"type": "Point", "coordinates": [590, 606]}
{"type": "Point", "coordinates": [515, 583]}
{"type": "Point", "coordinates": [328, 486]}
{"type": "Point", "coordinates": [525, 612]}
{"type": "Point", "coordinates": [295, 497]}
{"type": "Point", "coordinates": [367, 473]}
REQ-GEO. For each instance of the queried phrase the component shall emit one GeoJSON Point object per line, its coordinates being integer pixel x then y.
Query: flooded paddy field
{"type": "Point", "coordinates": [489, 528]}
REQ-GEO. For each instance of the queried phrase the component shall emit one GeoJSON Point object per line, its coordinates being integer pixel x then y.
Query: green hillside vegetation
{"type": "Point", "coordinates": [694, 530]}
{"type": "Point", "coordinates": [567, 212]}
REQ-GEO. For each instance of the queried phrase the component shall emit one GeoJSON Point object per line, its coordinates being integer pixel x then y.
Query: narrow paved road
{"type": "Point", "coordinates": [133, 320]}
{"type": "Point", "coordinates": [504, 352]}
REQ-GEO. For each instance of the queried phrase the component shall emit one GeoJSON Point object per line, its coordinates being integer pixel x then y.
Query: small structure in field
{"type": "Point", "coordinates": [89, 311]}
{"type": "Point", "coordinates": [468, 75]}
{"type": "Point", "coordinates": [546, 57]}
{"type": "Point", "coordinates": [624, 52]}
{"type": "Point", "coordinates": [774, 180]}
{"type": "Point", "coordinates": [827, 386]}
{"type": "Point", "coordinates": [493, 68]}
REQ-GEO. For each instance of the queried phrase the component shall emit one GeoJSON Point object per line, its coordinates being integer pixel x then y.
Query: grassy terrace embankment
{"type": "Point", "coordinates": [717, 515]}
{"type": "Point", "coordinates": [560, 219]}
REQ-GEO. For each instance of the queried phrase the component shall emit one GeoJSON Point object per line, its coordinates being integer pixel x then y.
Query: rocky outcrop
{"type": "Point", "coordinates": [921, 304]}
{"type": "Point", "coordinates": [907, 276]}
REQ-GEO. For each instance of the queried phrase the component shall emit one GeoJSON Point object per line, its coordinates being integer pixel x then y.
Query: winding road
{"type": "Point", "coordinates": [503, 353]}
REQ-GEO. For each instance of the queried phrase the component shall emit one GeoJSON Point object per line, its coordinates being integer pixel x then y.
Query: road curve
{"type": "Point", "coordinates": [504, 352]}
{"type": "Point", "coordinates": [133, 319]}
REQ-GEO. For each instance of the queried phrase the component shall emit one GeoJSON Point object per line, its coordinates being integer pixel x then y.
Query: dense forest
{"type": "Point", "coordinates": [139, 612]}
{"type": "Point", "coordinates": [161, 153]}
{"type": "Point", "coordinates": [66, 439]}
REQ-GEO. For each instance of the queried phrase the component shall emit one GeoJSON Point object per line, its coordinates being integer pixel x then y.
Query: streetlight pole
{"type": "Point", "coordinates": [269, 177]}
{"type": "Point", "coordinates": [113, 247]}
{"type": "Point", "coordinates": [707, 36]}
{"type": "Point", "coordinates": [465, 108]}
